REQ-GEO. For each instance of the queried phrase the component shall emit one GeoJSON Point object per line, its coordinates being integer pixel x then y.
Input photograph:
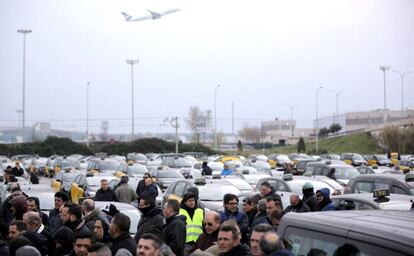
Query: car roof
{"type": "Point", "coordinates": [393, 229]}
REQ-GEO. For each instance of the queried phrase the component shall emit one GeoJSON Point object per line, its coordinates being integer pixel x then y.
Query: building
{"type": "Point", "coordinates": [283, 132]}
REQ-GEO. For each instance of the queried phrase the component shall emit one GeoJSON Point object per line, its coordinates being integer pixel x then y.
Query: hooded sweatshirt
{"type": "Point", "coordinates": [326, 204]}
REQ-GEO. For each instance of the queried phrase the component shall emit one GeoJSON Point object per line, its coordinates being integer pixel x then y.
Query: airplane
{"type": "Point", "coordinates": [153, 15]}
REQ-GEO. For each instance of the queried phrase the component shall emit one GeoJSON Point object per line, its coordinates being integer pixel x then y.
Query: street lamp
{"type": "Point", "coordinates": [402, 90]}
{"type": "Point", "coordinates": [215, 117]}
{"type": "Point", "coordinates": [337, 93]}
{"type": "Point", "coordinates": [317, 127]}
{"type": "Point", "coordinates": [132, 63]}
{"type": "Point", "coordinates": [87, 114]}
{"type": "Point", "coordinates": [384, 69]}
{"type": "Point", "coordinates": [24, 32]}
{"type": "Point", "coordinates": [291, 115]}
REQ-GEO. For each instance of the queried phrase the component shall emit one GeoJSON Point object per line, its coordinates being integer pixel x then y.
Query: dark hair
{"type": "Point", "coordinates": [149, 200]}
{"type": "Point", "coordinates": [174, 205]}
{"type": "Point", "coordinates": [97, 247]}
{"type": "Point", "coordinates": [122, 222]}
{"type": "Point", "coordinates": [156, 242]}
{"type": "Point", "coordinates": [20, 225]}
{"type": "Point", "coordinates": [62, 195]}
{"type": "Point", "coordinates": [228, 197]}
{"type": "Point", "coordinates": [83, 235]}
{"type": "Point", "coordinates": [270, 242]}
{"type": "Point", "coordinates": [16, 243]}
{"type": "Point", "coordinates": [262, 228]}
{"type": "Point", "coordinates": [266, 184]}
{"type": "Point", "coordinates": [74, 209]}
{"type": "Point", "coordinates": [231, 225]}
{"type": "Point", "coordinates": [34, 199]}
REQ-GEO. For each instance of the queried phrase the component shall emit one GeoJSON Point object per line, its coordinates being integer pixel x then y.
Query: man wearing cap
{"type": "Point", "coordinates": [124, 192]}
{"type": "Point", "coordinates": [152, 220]}
{"type": "Point", "coordinates": [309, 197]}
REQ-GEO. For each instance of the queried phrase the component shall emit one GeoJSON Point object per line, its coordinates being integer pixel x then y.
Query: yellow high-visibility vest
{"type": "Point", "coordinates": [194, 226]}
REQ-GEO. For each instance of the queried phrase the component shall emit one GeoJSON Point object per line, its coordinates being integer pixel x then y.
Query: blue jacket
{"type": "Point", "coordinates": [226, 172]}
{"type": "Point", "coordinates": [326, 204]}
{"type": "Point", "coordinates": [240, 217]}
{"type": "Point", "coordinates": [54, 221]}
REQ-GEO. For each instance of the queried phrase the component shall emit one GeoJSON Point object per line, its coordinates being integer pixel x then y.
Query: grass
{"type": "Point", "coordinates": [363, 143]}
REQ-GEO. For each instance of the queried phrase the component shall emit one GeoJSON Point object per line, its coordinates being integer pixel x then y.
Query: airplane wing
{"type": "Point", "coordinates": [170, 11]}
{"type": "Point", "coordinates": [130, 19]}
{"type": "Point", "coordinates": [126, 16]}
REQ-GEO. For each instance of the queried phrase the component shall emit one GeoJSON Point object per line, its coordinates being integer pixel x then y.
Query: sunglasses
{"type": "Point", "coordinates": [208, 224]}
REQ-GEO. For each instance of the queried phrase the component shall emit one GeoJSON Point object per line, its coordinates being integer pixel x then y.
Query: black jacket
{"type": "Point", "coordinates": [309, 199]}
{"type": "Point", "coordinates": [54, 221]}
{"type": "Point", "coordinates": [300, 207]}
{"type": "Point", "coordinates": [175, 234]}
{"type": "Point", "coordinates": [239, 250]}
{"type": "Point", "coordinates": [152, 221]}
{"type": "Point", "coordinates": [205, 240]}
{"type": "Point", "coordinates": [17, 171]}
{"type": "Point", "coordinates": [124, 241]}
{"type": "Point", "coordinates": [106, 195]}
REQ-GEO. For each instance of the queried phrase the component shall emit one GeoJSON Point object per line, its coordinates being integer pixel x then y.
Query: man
{"type": "Point", "coordinates": [71, 216]}
{"type": "Point", "coordinates": [90, 213]}
{"type": "Point", "coordinates": [16, 227]}
{"type": "Point", "coordinates": [250, 208]}
{"type": "Point", "coordinates": [309, 197]}
{"type": "Point", "coordinates": [146, 187]}
{"type": "Point", "coordinates": [209, 236]}
{"type": "Point", "coordinates": [152, 220]}
{"type": "Point", "coordinates": [124, 192]}
{"type": "Point", "coordinates": [257, 234]}
{"type": "Point", "coordinates": [18, 206]}
{"type": "Point", "coordinates": [273, 203]}
{"type": "Point", "coordinates": [271, 244]}
{"type": "Point", "coordinates": [231, 212]}
{"type": "Point", "coordinates": [229, 241]}
{"type": "Point", "coordinates": [261, 217]}
{"type": "Point", "coordinates": [33, 205]}
{"type": "Point", "coordinates": [275, 218]}
{"type": "Point", "coordinates": [331, 174]}
{"type": "Point", "coordinates": [119, 231]}
{"type": "Point", "coordinates": [34, 224]}
{"type": "Point", "coordinates": [296, 205]}
{"type": "Point", "coordinates": [101, 231]}
{"type": "Point", "coordinates": [175, 227]}
{"type": "Point", "coordinates": [99, 249]}
{"type": "Point", "coordinates": [324, 202]}
{"type": "Point", "coordinates": [83, 241]}
{"type": "Point", "coordinates": [54, 220]}
{"type": "Point", "coordinates": [105, 193]}
{"type": "Point", "coordinates": [148, 245]}
{"type": "Point", "coordinates": [17, 170]}
{"type": "Point", "coordinates": [226, 170]}
{"type": "Point", "coordinates": [268, 191]}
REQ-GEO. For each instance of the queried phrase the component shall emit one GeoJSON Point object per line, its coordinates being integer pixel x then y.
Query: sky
{"type": "Point", "coordinates": [265, 55]}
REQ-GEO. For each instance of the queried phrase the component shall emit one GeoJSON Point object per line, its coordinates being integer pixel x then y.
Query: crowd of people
{"type": "Point", "coordinates": [178, 228]}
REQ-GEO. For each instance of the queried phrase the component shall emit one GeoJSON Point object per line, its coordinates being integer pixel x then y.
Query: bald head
{"type": "Point", "coordinates": [88, 205]}
{"type": "Point", "coordinates": [211, 221]}
{"type": "Point", "coordinates": [32, 220]}
{"type": "Point", "coordinates": [294, 199]}
{"type": "Point", "coordinates": [270, 242]}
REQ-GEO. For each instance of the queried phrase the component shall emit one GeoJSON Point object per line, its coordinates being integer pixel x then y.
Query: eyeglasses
{"type": "Point", "coordinates": [208, 224]}
{"type": "Point", "coordinates": [232, 203]}
{"type": "Point", "coordinates": [319, 195]}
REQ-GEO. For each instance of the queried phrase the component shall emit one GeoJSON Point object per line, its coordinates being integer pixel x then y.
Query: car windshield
{"type": "Point", "coordinates": [140, 170]}
{"type": "Point", "coordinates": [283, 158]}
{"type": "Point", "coordinates": [357, 157]}
{"type": "Point", "coordinates": [345, 172]}
{"type": "Point", "coordinates": [108, 165]}
{"type": "Point", "coordinates": [183, 163]}
{"type": "Point", "coordinates": [382, 157]}
{"type": "Point", "coordinates": [169, 174]}
{"type": "Point", "coordinates": [68, 163]}
{"type": "Point", "coordinates": [216, 192]}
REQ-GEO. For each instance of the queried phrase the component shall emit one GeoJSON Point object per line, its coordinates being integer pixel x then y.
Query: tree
{"type": "Point", "coordinates": [199, 122]}
{"type": "Point", "coordinates": [239, 146]}
{"type": "Point", "coordinates": [301, 145]}
{"type": "Point", "coordinates": [250, 134]}
{"type": "Point", "coordinates": [323, 132]}
{"type": "Point", "coordinates": [334, 128]}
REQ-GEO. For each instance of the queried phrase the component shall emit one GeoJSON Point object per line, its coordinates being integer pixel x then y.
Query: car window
{"type": "Point", "coordinates": [318, 170]}
{"type": "Point", "coordinates": [180, 188]}
{"type": "Point", "coordinates": [309, 169]}
{"type": "Point", "coordinates": [366, 249]}
{"type": "Point", "coordinates": [306, 242]}
{"type": "Point", "coordinates": [281, 186]}
{"type": "Point", "coordinates": [347, 204]}
{"type": "Point", "coordinates": [398, 190]}
{"type": "Point", "coordinates": [363, 187]}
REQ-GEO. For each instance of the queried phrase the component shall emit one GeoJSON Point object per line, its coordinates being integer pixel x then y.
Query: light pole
{"type": "Point", "coordinates": [402, 89]}
{"type": "Point", "coordinates": [215, 117]}
{"type": "Point", "coordinates": [87, 114]}
{"type": "Point", "coordinates": [132, 63]}
{"type": "Point", "coordinates": [291, 115]}
{"type": "Point", "coordinates": [24, 32]}
{"type": "Point", "coordinates": [337, 93]}
{"type": "Point", "coordinates": [317, 127]}
{"type": "Point", "coordinates": [384, 69]}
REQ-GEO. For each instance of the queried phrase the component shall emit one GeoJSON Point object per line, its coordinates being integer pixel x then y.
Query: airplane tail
{"type": "Point", "coordinates": [126, 16]}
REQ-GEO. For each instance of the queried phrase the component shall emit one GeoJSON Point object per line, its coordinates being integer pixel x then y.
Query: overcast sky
{"type": "Point", "coordinates": [264, 54]}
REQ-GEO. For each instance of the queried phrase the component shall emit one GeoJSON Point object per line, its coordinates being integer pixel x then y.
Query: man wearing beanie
{"type": "Point", "coordinates": [152, 220]}
{"type": "Point", "coordinates": [124, 192]}
{"type": "Point", "coordinates": [309, 197]}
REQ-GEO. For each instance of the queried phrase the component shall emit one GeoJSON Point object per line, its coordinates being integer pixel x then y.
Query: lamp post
{"type": "Point", "coordinates": [317, 127]}
{"type": "Point", "coordinates": [384, 69]}
{"type": "Point", "coordinates": [291, 115]}
{"type": "Point", "coordinates": [87, 114]}
{"type": "Point", "coordinates": [215, 117]}
{"type": "Point", "coordinates": [402, 75]}
{"type": "Point", "coordinates": [337, 93]}
{"type": "Point", "coordinates": [132, 63]}
{"type": "Point", "coordinates": [24, 32]}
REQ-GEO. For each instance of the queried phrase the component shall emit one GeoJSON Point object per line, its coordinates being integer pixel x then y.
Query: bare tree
{"type": "Point", "coordinates": [199, 122]}
{"type": "Point", "coordinates": [250, 134]}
